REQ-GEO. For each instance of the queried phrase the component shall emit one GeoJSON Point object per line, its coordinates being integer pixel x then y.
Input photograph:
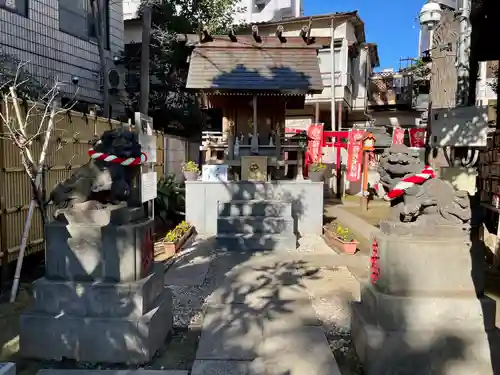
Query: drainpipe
{"type": "Point", "coordinates": [332, 76]}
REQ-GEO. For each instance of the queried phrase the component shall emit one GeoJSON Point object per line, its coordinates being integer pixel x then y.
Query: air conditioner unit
{"type": "Point", "coordinates": [116, 80]}
{"type": "Point", "coordinates": [459, 127]}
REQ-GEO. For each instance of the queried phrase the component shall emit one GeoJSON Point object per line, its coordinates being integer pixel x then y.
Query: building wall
{"type": "Point", "coordinates": [344, 32]}
{"type": "Point", "coordinates": [253, 11]}
{"type": "Point", "coordinates": [320, 28]}
{"type": "Point", "coordinates": [362, 70]}
{"type": "Point", "coordinates": [398, 118]}
{"type": "Point", "coordinates": [52, 54]}
{"type": "Point", "coordinates": [484, 92]}
{"type": "Point", "coordinates": [269, 10]}
{"type": "Point", "coordinates": [133, 31]}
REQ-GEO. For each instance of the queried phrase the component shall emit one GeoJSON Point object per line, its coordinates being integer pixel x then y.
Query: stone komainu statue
{"type": "Point", "coordinates": [434, 201]}
{"type": "Point", "coordinates": [102, 182]}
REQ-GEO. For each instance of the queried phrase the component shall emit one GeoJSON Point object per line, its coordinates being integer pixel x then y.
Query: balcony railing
{"type": "Point", "coordinates": [327, 79]}
{"type": "Point", "coordinates": [390, 89]}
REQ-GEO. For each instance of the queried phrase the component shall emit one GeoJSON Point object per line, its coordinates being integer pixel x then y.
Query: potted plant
{"type": "Point", "coordinates": [317, 172]}
{"type": "Point", "coordinates": [177, 237]}
{"type": "Point", "coordinates": [343, 239]}
{"type": "Point", "coordinates": [191, 171]}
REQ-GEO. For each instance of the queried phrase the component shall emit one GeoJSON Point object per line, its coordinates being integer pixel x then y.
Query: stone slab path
{"type": "Point", "coordinates": [264, 313]}
{"type": "Point", "coordinates": [111, 372]}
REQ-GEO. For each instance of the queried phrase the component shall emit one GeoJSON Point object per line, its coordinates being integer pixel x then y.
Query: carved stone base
{"type": "Point", "coordinates": [129, 339]}
{"type": "Point", "coordinates": [423, 315]}
{"type": "Point", "coordinates": [434, 348]}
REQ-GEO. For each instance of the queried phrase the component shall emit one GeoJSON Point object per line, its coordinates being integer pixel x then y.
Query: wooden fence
{"type": "Point", "coordinates": [68, 148]}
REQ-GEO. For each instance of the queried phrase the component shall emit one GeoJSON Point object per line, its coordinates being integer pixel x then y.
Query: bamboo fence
{"type": "Point", "coordinates": [68, 148]}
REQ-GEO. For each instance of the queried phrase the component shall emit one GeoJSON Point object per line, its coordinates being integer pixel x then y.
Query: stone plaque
{"type": "Point", "coordinates": [254, 168]}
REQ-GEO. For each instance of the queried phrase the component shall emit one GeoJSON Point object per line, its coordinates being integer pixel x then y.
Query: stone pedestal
{"type": "Point", "coordinates": [101, 299]}
{"type": "Point", "coordinates": [423, 315]}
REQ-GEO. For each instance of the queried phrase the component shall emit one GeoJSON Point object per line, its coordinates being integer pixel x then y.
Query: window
{"type": "Point", "coordinates": [491, 69]}
{"type": "Point", "coordinates": [75, 18]}
{"type": "Point", "coordinates": [259, 5]}
{"type": "Point", "coordinates": [17, 6]}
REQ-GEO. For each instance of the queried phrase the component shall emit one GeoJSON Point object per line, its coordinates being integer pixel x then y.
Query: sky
{"type": "Point", "coordinates": [393, 25]}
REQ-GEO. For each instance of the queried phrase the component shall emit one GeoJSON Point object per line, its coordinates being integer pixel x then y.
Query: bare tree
{"type": "Point", "coordinates": [17, 131]}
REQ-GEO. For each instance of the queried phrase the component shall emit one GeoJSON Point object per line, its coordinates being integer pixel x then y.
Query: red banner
{"type": "Point", "coordinates": [417, 137]}
{"type": "Point", "coordinates": [355, 155]}
{"type": "Point", "coordinates": [398, 135]}
{"type": "Point", "coordinates": [314, 145]}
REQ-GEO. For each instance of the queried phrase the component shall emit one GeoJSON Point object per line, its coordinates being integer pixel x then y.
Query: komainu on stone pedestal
{"type": "Point", "coordinates": [433, 202]}
{"type": "Point", "coordinates": [425, 312]}
{"type": "Point", "coordinates": [101, 299]}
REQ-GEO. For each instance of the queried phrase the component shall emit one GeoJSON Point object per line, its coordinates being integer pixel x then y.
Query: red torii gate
{"type": "Point", "coordinates": [336, 139]}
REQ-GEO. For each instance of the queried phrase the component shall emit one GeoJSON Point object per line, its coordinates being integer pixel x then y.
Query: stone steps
{"type": "Point", "coordinates": [256, 241]}
{"type": "Point", "coordinates": [274, 208]}
{"type": "Point", "coordinates": [255, 224]}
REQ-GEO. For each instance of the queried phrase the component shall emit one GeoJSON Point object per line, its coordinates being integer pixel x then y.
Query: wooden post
{"type": "Point", "coordinates": [300, 166]}
{"type": "Point", "coordinates": [497, 126]}
{"type": "Point", "coordinates": [316, 113]}
{"type": "Point", "coordinates": [339, 116]}
{"type": "Point", "coordinates": [254, 147]}
{"type": "Point", "coordinates": [364, 189]}
{"type": "Point", "coordinates": [144, 81]}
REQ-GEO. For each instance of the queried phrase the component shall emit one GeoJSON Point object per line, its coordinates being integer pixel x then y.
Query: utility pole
{"type": "Point", "coordinates": [146, 39]}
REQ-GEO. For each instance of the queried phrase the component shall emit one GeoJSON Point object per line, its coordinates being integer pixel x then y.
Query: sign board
{"type": "Point", "coordinates": [148, 145]}
{"type": "Point", "coordinates": [148, 186]}
{"type": "Point", "coordinates": [214, 173]}
{"type": "Point", "coordinates": [329, 156]}
{"type": "Point", "coordinates": [297, 123]}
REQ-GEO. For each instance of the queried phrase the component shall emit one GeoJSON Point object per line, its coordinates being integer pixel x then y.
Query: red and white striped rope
{"type": "Point", "coordinates": [127, 162]}
{"type": "Point", "coordinates": [407, 182]}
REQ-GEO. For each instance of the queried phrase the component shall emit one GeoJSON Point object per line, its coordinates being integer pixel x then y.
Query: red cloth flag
{"type": "Point", "coordinates": [398, 135]}
{"type": "Point", "coordinates": [417, 137]}
{"type": "Point", "coordinates": [355, 155]}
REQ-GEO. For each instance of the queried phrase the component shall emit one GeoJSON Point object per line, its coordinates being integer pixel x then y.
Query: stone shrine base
{"type": "Point", "coordinates": [97, 322]}
{"type": "Point", "coordinates": [423, 335]}
{"type": "Point", "coordinates": [423, 316]}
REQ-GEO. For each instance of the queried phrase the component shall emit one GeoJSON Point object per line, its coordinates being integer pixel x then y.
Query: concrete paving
{"type": "Point", "coordinates": [111, 372]}
{"type": "Point", "coordinates": [269, 313]}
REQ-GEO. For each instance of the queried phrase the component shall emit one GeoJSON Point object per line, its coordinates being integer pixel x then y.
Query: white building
{"type": "Point", "coordinates": [270, 10]}
{"type": "Point", "coordinates": [57, 40]}
{"type": "Point", "coordinates": [352, 66]}
{"type": "Point", "coordinates": [253, 11]}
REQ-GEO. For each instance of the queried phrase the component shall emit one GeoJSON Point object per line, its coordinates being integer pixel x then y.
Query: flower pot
{"type": "Point", "coordinates": [348, 247]}
{"type": "Point", "coordinates": [316, 176]}
{"type": "Point", "coordinates": [174, 247]}
{"type": "Point", "coordinates": [191, 176]}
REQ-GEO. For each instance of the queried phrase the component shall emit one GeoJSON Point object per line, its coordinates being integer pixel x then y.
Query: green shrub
{"type": "Point", "coordinates": [318, 167]}
{"type": "Point", "coordinates": [190, 166]}
{"type": "Point", "coordinates": [177, 233]}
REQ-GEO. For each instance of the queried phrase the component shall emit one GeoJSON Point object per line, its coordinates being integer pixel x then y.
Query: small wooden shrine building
{"type": "Point", "coordinates": [253, 79]}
